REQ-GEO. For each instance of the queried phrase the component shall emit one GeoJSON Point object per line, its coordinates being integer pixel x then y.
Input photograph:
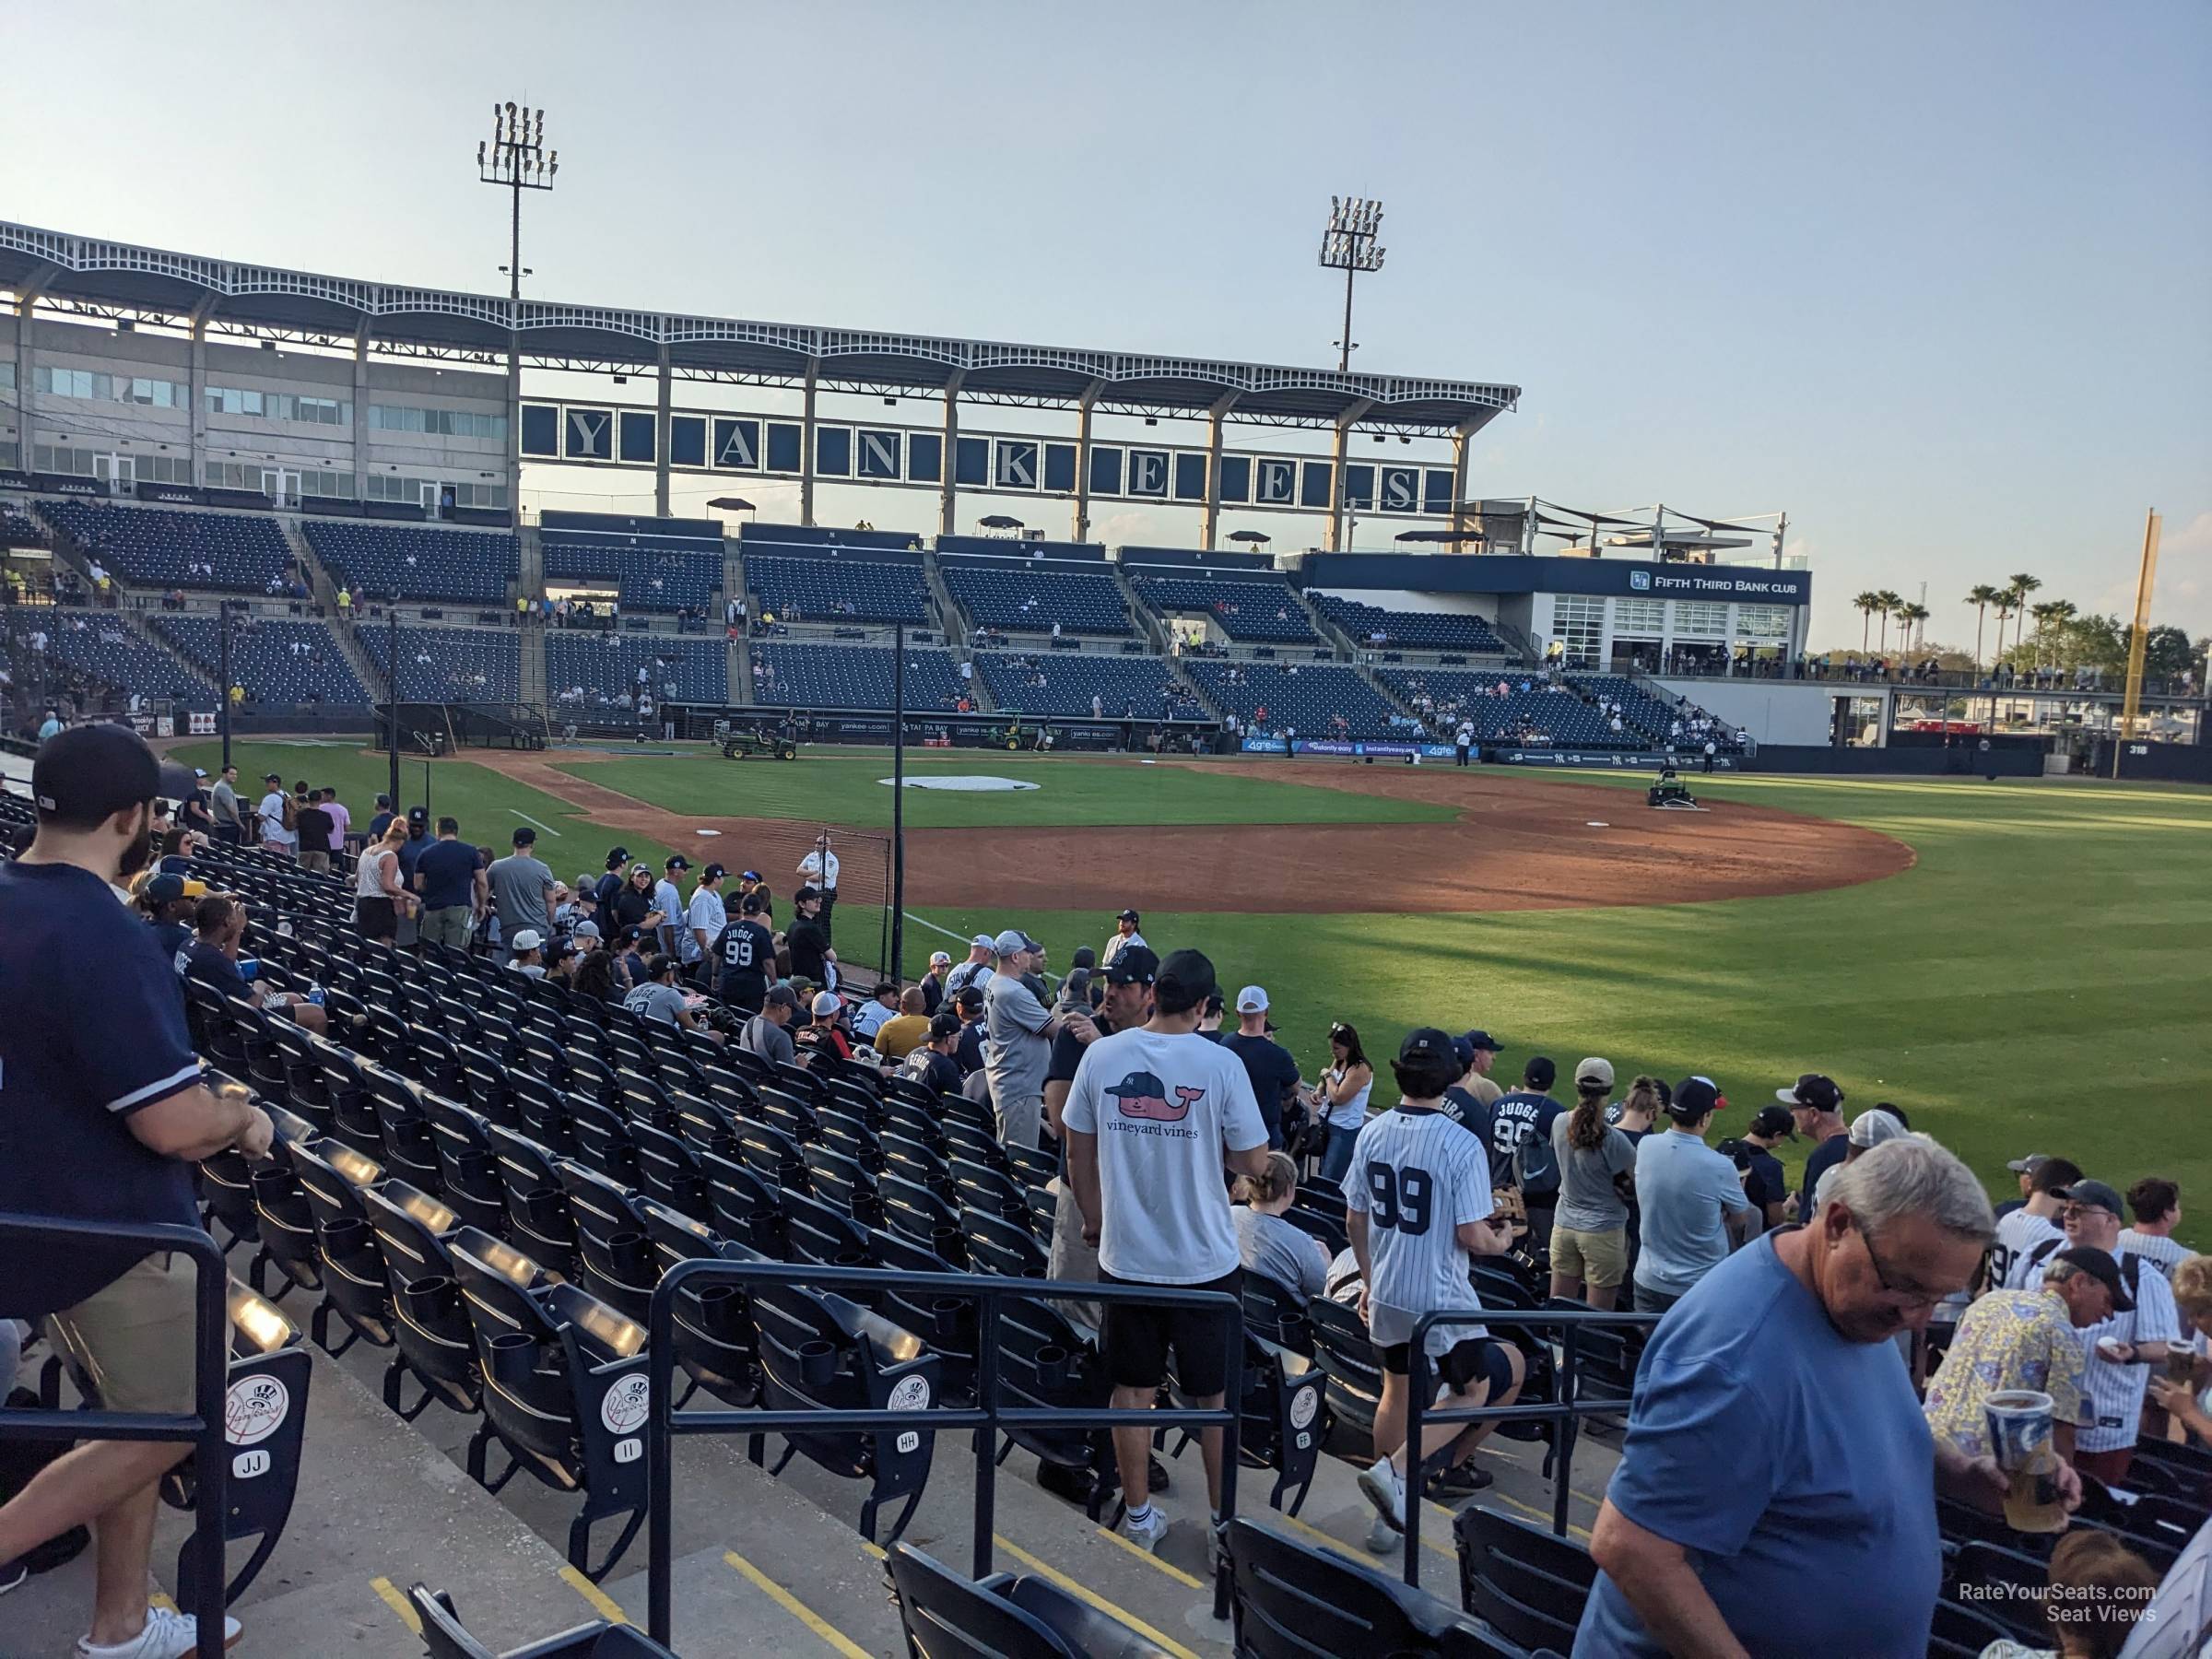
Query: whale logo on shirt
{"type": "Point", "coordinates": [1143, 1095]}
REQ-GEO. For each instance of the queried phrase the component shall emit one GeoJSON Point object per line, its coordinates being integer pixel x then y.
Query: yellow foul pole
{"type": "Point", "coordinates": [2136, 640]}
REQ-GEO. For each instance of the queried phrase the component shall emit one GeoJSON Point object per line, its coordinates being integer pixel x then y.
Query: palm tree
{"type": "Point", "coordinates": [1866, 604]}
{"type": "Point", "coordinates": [1913, 616]}
{"type": "Point", "coordinates": [2062, 611]}
{"type": "Point", "coordinates": [2017, 590]}
{"type": "Point", "coordinates": [1981, 598]}
{"type": "Point", "coordinates": [2043, 615]}
{"type": "Point", "coordinates": [1888, 604]}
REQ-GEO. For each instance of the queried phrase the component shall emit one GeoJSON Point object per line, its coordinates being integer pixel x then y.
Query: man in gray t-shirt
{"type": "Point", "coordinates": [1019, 1031]}
{"type": "Point", "coordinates": [764, 1034]}
{"type": "Point", "coordinates": [522, 887]}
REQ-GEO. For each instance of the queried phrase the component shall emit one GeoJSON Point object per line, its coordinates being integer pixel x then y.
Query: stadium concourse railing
{"type": "Point", "coordinates": [1564, 1411]}
{"type": "Point", "coordinates": [204, 1426]}
{"type": "Point", "coordinates": [986, 1417]}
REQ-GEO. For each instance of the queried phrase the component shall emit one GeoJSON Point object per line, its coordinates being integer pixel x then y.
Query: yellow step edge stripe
{"type": "Point", "coordinates": [1084, 1593]}
{"type": "Point", "coordinates": [1150, 1560]}
{"type": "Point", "coordinates": [389, 1594]}
{"type": "Point", "coordinates": [1534, 1513]}
{"type": "Point", "coordinates": [831, 1637]}
{"type": "Point", "coordinates": [607, 1607]}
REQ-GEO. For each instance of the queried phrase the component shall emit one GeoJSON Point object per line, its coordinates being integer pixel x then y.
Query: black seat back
{"type": "Point", "coordinates": [1296, 1601]}
{"type": "Point", "coordinates": [948, 1617]}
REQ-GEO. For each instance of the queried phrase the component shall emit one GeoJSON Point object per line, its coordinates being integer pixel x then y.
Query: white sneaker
{"type": "Point", "coordinates": [1385, 1489]}
{"type": "Point", "coordinates": [168, 1635]}
{"type": "Point", "coordinates": [1383, 1538]}
{"type": "Point", "coordinates": [1145, 1534]}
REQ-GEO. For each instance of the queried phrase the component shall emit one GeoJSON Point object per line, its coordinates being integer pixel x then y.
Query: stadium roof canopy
{"type": "Point", "coordinates": [119, 279]}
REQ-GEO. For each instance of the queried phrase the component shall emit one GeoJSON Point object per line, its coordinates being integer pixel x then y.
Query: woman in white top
{"type": "Point", "coordinates": [378, 892]}
{"type": "Point", "coordinates": [1340, 1099]}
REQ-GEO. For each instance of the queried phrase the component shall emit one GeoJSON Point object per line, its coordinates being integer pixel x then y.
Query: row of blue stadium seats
{"type": "Point", "coordinates": [1541, 713]}
{"type": "Point", "coordinates": [1067, 684]}
{"type": "Point", "coordinates": [95, 644]}
{"type": "Point", "coordinates": [851, 677]}
{"type": "Point", "coordinates": [1261, 609]}
{"type": "Point", "coordinates": [453, 665]}
{"type": "Point", "coordinates": [1322, 700]}
{"type": "Point", "coordinates": [831, 590]}
{"type": "Point", "coordinates": [172, 548]}
{"type": "Point", "coordinates": [277, 660]}
{"type": "Point", "coordinates": [687, 667]}
{"type": "Point", "coordinates": [1036, 597]}
{"type": "Point", "coordinates": [1416, 631]}
{"type": "Point", "coordinates": [1655, 716]}
{"type": "Point", "coordinates": [416, 562]}
{"type": "Point", "coordinates": [655, 574]}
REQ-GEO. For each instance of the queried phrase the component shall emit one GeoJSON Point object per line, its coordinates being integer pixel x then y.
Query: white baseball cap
{"type": "Point", "coordinates": [1872, 1128]}
{"type": "Point", "coordinates": [1252, 999]}
{"type": "Point", "coordinates": [980, 942]}
{"type": "Point", "coordinates": [527, 939]}
{"type": "Point", "coordinates": [937, 957]}
{"type": "Point", "coordinates": [826, 1004]}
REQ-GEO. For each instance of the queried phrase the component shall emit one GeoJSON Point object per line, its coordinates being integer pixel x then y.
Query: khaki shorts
{"type": "Point", "coordinates": [138, 1333]}
{"type": "Point", "coordinates": [1599, 1259]}
{"type": "Point", "coordinates": [314, 861]}
{"type": "Point", "coordinates": [449, 924]}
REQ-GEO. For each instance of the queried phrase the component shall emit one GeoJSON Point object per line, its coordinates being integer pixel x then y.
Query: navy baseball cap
{"type": "Point", "coordinates": [2099, 1266]}
{"type": "Point", "coordinates": [1127, 915]}
{"type": "Point", "coordinates": [1463, 1052]}
{"type": "Point", "coordinates": [1136, 966]}
{"type": "Point", "coordinates": [1482, 1039]}
{"type": "Point", "coordinates": [1694, 1096]}
{"type": "Point", "coordinates": [1812, 1092]}
{"type": "Point", "coordinates": [712, 872]}
{"type": "Point", "coordinates": [1539, 1071]}
{"type": "Point", "coordinates": [84, 776]}
{"type": "Point", "coordinates": [525, 837]}
{"type": "Point", "coordinates": [1775, 1121]}
{"type": "Point", "coordinates": [1424, 1042]}
{"type": "Point", "coordinates": [677, 861]}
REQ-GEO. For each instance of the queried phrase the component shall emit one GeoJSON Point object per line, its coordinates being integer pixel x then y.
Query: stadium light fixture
{"type": "Point", "coordinates": [1349, 245]}
{"type": "Point", "coordinates": [516, 158]}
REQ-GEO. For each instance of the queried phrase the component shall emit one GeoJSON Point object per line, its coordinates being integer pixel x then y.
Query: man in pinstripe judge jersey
{"type": "Point", "coordinates": [2123, 1349]}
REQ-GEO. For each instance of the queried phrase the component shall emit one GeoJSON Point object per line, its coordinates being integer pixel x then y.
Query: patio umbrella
{"type": "Point", "coordinates": [1249, 535]}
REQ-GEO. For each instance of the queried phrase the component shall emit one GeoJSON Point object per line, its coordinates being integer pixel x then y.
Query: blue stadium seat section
{"type": "Point", "coordinates": [277, 660]}
{"type": "Point", "coordinates": [473, 567]}
{"type": "Point", "coordinates": [657, 573]}
{"type": "Point", "coordinates": [837, 588]}
{"type": "Point", "coordinates": [1653, 715]}
{"type": "Point", "coordinates": [852, 677]}
{"type": "Point", "coordinates": [20, 530]}
{"type": "Point", "coordinates": [1311, 699]}
{"type": "Point", "coordinates": [172, 548]}
{"type": "Point", "coordinates": [96, 643]}
{"type": "Point", "coordinates": [811, 537]}
{"type": "Point", "coordinates": [1377, 626]}
{"type": "Point", "coordinates": [696, 667]}
{"type": "Point", "coordinates": [1250, 609]}
{"type": "Point", "coordinates": [1541, 714]}
{"type": "Point", "coordinates": [452, 664]}
{"type": "Point", "coordinates": [1032, 595]}
{"type": "Point", "coordinates": [1123, 686]}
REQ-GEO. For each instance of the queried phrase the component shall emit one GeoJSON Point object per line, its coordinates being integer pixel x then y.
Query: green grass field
{"type": "Point", "coordinates": [2039, 981]}
{"type": "Point", "coordinates": [839, 789]}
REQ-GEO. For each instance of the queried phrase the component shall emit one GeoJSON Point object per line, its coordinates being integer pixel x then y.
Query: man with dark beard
{"type": "Point", "coordinates": [102, 1115]}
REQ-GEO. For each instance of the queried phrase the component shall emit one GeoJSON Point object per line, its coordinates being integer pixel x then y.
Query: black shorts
{"type": "Point", "coordinates": [1477, 1357]}
{"type": "Point", "coordinates": [379, 918]}
{"type": "Point", "coordinates": [1135, 1339]}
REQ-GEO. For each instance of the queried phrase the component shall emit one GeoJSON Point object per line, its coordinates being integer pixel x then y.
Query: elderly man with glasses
{"type": "Point", "coordinates": [1776, 1491]}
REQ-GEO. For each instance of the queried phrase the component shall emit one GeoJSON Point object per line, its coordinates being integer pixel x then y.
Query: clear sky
{"type": "Point", "coordinates": [1938, 280]}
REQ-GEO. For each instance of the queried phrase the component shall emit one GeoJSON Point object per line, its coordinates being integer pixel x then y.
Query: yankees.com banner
{"type": "Point", "coordinates": [1383, 749]}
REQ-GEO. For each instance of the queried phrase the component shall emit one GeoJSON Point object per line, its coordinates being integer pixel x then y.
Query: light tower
{"type": "Point", "coordinates": [516, 159]}
{"type": "Point", "coordinates": [1349, 245]}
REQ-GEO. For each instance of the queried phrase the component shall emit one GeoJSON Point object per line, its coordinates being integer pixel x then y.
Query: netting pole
{"type": "Point", "coordinates": [895, 969]}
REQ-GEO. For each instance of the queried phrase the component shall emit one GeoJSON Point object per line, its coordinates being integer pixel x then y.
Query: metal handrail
{"type": "Point", "coordinates": [1564, 1412]}
{"type": "Point", "coordinates": [204, 1426]}
{"type": "Point", "coordinates": [986, 1417]}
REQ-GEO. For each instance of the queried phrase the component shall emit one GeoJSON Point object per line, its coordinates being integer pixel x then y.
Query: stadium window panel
{"type": "Point", "coordinates": [1148, 474]}
{"type": "Point", "coordinates": [590, 435]}
{"type": "Point", "coordinates": [785, 445]}
{"type": "Point", "coordinates": [925, 458]}
{"type": "Point", "coordinates": [1273, 482]}
{"type": "Point", "coordinates": [7, 377]}
{"type": "Point", "coordinates": [833, 452]}
{"type": "Point", "coordinates": [1436, 490]}
{"type": "Point", "coordinates": [1060, 467]}
{"type": "Point", "coordinates": [1314, 483]}
{"type": "Point", "coordinates": [1236, 478]}
{"type": "Point", "coordinates": [541, 430]}
{"type": "Point", "coordinates": [11, 452]}
{"type": "Point", "coordinates": [1105, 470]}
{"type": "Point", "coordinates": [972, 463]}
{"type": "Point", "coordinates": [876, 452]}
{"type": "Point", "coordinates": [1013, 464]}
{"type": "Point", "coordinates": [1190, 477]}
{"type": "Point", "coordinates": [1640, 617]}
{"type": "Point", "coordinates": [687, 441]}
{"type": "Point", "coordinates": [738, 445]}
{"type": "Point", "coordinates": [1700, 618]}
{"type": "Point", "coordinates": [1578, 623]}
{"type": "Point", "coordinates": [1359, 488]}
{"type": "Point", "coordinates": [1762, 621]}
{"type": "Point", "coordinates": [1398, 490]}
{"type": "Point", "coordinates": [637, 436]}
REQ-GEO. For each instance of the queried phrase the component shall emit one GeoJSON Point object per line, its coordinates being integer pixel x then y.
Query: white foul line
{"type": "Point", "coordinates": [539, 822]}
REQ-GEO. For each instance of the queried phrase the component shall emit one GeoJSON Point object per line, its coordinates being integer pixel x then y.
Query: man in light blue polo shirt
{"type": "Point", "coordinates": [1691, 1202]}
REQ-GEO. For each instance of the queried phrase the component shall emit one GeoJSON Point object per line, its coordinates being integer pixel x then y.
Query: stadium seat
{"type": "Point", "coordinates": [1030, 595]}
{"type": "Point", "coordinates": [277, 660]}
{"type": "Point", "coordinates": [433, 1342]}
{"type": "Point", "coordinates": [1143, 687]}
{"type": "Point", "coordinates": [333, 1177]}
{"type": "Point", "coordinates": [851, 677]}
{"type": "Point", "coordinates": [1257, 608]}
{"type": "Point", "coordinates": [874, 587]}
{"type": "Point", "coordinates": [174, 547]}
{"type": "Point", "coordinates": [1375, 626]}
{"type": "Point", "coordinates": [1346, 1355]}
{"type": "Point", "coordinates": [445, 1637]}
{"type": "Point", "coordinates": [653, 573]}
{"type": "Point", "coordinates": [450, 665]}
{"type": "Point", "coordinates": [1538, 715]}
{"type": "Point", "coordinates": [553, 1357]}
{"type": "Point", "coordinates": [413, 562]}
{"type": "Point", "coordinates": [1521, 1579]}
{"type": "Point", "coordinates": [679, 667]}
{"type": "Point", "coordinates": [1283, 1420]}
{"type": "Point", "coordinates": [2010, 1582]}
{"type": "Point", "coordinates": [1309, 698]}
{"type": "Point", "coordinates": [1652, 717]}
{"type": "Point", "coordinates": [102, 646]}
{"type": "Point", "coordinates": [1296, 1601]}
{"type": "Point", "coordinates": [948, 1617]}
{"type": "Point", "coordinates": [1045, 1362]}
